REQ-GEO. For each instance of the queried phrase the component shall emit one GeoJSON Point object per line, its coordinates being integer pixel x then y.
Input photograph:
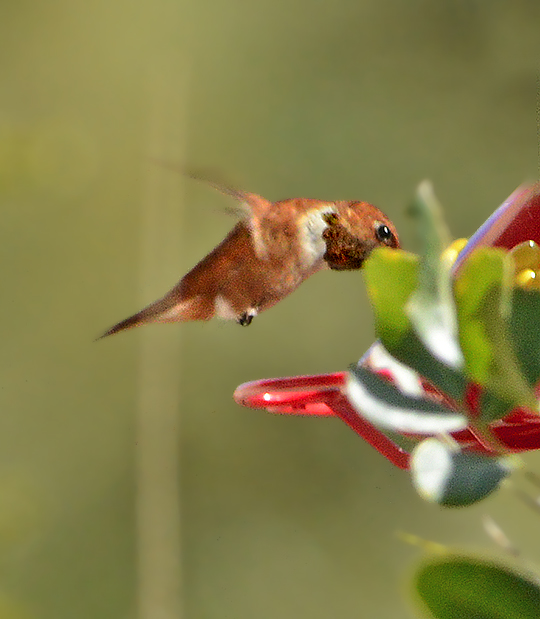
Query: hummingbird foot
{"type": "Point", "coordinates": [246, 318]}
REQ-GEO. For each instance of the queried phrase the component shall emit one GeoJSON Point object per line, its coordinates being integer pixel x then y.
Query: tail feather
{"type": "Point", "coordinates": [167, 309]}
{"type": "Point", "coordinates": [207, 288]}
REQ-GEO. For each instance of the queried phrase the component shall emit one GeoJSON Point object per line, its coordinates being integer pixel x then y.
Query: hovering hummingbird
{"type": "Point", "coordinates": [272, 249]}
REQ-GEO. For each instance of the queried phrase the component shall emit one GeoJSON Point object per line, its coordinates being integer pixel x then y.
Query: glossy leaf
{"type": "Point", "coordinates": [391, 277]}
{"type": "Point", "coordinates": [431, 228]}
{"type": "Point", "coordinates": [525, 334]}
{"type": "Point", "coordinates": [381, 403]}
{"type": "Point", "coordinates": [405, 378]}
{"type": "Point", "coordinates": [431, 306]}
{"type": "Point", "coordinates": [484, 270]}
{"type": "Point", "coordinates": [482, 292]}
{"type": "Point", "coordinates": [441, 474]}
{"type": "Point", "coordinates": [412, 352]}
{"type": "Point", "coordinates": [458, 587]}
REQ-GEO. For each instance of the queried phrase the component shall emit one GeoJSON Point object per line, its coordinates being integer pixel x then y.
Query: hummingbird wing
{"type": "Point", "coordinates": [250, 206]}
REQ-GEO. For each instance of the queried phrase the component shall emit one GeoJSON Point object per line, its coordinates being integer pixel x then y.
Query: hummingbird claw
{"type": "Point", "coordinates": [245, 319]}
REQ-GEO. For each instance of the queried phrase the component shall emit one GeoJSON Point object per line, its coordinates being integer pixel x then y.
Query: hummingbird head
{"type": "Point", "coordinates": [341, 234]}
{"type": "Point", "coordinates": [353, 230]}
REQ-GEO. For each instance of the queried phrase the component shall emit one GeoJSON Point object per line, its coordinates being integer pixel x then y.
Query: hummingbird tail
{"type": "Point", "coordinates": [167, 309]}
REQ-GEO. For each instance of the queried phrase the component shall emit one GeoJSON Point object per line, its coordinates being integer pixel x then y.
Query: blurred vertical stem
{"type": "Point", "coordinates": [158, 423]}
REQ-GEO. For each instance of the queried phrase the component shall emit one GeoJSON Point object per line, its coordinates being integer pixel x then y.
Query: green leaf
{"type": "Point", "coordinates": [431, 227]}
{"type": "Point", "coordinates": [412, 352]}
{"type": "Point", "coordinates": [458, 587]}
{"type": "Point", "coordinates": [431, 306]}
{"type": "Point", "coordinates": [525, 334]}
{"type": "Point", "coordinates": [386, 406]}
{"type": "Point", "coordinates": [441, 474]}
{"type": "Point", "coordinates": [506, 380]}
{"type": "Point", "coordinates": [391, 277]}
{"type": "Point", "coordinates": [484, 270]}
{"type": "Point", "coordinates": [482, 292]}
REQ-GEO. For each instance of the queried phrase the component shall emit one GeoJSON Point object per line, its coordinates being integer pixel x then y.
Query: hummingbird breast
{"type": "Point", "coordinates": [233, 279]}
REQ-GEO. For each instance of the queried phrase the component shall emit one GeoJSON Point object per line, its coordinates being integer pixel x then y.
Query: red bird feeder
{"type": "Point", "coordinates": [516, 221]}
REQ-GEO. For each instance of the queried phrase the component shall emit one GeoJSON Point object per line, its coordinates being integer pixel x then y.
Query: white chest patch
{"type": "Point", "coordinates": [224, 309]}
{"type": "Point", "coordinates": [311, 226]}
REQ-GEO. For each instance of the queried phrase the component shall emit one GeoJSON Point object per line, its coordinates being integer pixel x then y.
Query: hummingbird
{"type": "Point", "coordinates": [273, 248]}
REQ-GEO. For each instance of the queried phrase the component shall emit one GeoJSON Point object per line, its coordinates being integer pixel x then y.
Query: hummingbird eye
{"type": "Point", "coordinates": [384, 234]}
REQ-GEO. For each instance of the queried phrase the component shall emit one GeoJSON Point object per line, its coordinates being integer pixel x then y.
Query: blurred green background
{"type": "Point", "coordinates": [279, 517]}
